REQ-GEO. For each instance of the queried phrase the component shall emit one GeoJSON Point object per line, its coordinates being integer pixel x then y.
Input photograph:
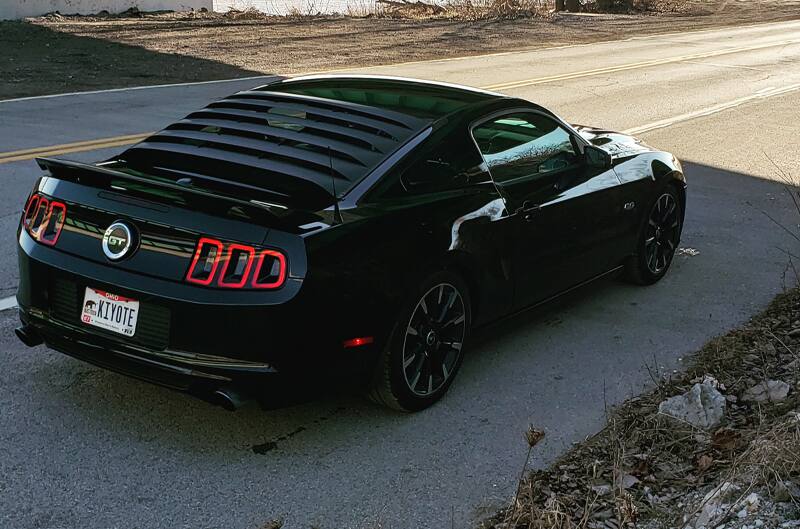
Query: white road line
{"type": "Point", "coordinates": [427, 61]}
{"type": "Point", "coordinates": [715, 109]}
{"type": "Point", "coordinates": [8, 303]}
{"type": "Point", "coordinates": [11, 301]}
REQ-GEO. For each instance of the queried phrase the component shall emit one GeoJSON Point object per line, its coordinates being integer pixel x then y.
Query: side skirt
{"type": "Point", "coordinates": [554, 297]}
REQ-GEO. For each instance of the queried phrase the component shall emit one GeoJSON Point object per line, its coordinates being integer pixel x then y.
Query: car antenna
{"type": "Point", "coordinates": [337, 214]}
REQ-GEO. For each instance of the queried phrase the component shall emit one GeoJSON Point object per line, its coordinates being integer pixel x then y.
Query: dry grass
{"type": "Point", "coordinates": [773, 457]}
{"type": "Point", "coordinates": [467, 10]}
{"type": "Point", "coordinates": [646, 467]}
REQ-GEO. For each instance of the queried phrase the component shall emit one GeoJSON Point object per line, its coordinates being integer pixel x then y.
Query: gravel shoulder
{"type": "Point", "coordinates": [62, 54]}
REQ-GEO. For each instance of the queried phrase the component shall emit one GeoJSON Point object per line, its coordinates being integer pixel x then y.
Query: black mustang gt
{"type": "Point", "coordinates": [334, 228]}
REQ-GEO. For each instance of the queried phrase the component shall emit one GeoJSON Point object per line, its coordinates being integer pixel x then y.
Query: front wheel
{"type": "Point", "coordinates": [658, 239]}
{"type": "Point", "coordinates": [426, 348]}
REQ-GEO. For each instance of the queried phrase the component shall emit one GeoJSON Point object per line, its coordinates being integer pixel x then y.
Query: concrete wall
{"type": "Point", "coordinates": [13, 9]}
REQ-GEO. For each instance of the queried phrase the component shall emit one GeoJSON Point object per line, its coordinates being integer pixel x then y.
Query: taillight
{"type": "Point", "coordinates": [238, 262]}
{"type": "Point", "coordinates": [241, 265]}
{"type": "Point", "coordinates": [270, 270]}
{"type": "Point", "coordinates": [30, 209]}
{"type": "Point", "coordinates": [205, 261]}
{"type": "Point", "coordinates": [44, 219]}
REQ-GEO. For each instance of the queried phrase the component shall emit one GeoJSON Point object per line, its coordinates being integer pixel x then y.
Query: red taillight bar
{"type": "Point", "coordinates": [37, 222]}
{"type": "Point", "coordinates": [281, 277]}
{"type": "Point", "coordinates": [229, 256]}
{"type": "Point", "coordinates": [198, 251]}
{"type": "Point", "coordinates": [49, 234]}
{"type": "Point", "coordinates": [30, 210]}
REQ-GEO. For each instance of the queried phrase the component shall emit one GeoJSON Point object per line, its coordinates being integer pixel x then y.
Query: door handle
{"type": "Point", "coordinates": [529, 210]}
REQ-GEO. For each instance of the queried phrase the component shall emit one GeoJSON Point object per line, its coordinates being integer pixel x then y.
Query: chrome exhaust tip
{"type": "Point", "coordinates": [28, 336]}
{"type": "Point", "coordinates": [228, 398]}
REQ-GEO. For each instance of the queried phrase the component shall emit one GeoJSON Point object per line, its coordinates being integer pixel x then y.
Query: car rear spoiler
{"type": "Point", "coordinates": [201, 199]}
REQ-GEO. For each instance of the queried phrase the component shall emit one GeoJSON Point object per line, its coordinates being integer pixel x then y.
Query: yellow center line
{"type": "Point", "coordinates": [119, 141]}
{"type": "Point", "coordinates": [132, 137]}
{"type": "Point", "coordinates": [66, 148]}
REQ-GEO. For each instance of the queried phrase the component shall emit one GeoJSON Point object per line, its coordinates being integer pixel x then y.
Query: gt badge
{"type": "Point", "coordinates": [117, 241]}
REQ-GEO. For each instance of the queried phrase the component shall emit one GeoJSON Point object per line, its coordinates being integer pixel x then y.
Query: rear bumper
{"type": "Point", "coordinates": [181, 342]}
{"type": "Point", "coordinates": [174, 369]}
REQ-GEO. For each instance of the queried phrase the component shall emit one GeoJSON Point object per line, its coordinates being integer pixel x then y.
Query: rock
{"type": "Point", "coordinates": [786, 491]}
{"type": "Point", "coordinates": [603, 515]}
{"type": "Point", "coordinates": [713, 504]}
{"type": "Point", "coordinates": [629, 481]}
{"type": "Point", "coordinates": [711, 380]}
{"type": "Point", "coordinates": [771, 390]}
{"type": "Point", "coordinates": [702, 406]}
{"type": "Point", "coordinates": [602, 490]}
{"type": "Point", "coordinates": [750, 505]}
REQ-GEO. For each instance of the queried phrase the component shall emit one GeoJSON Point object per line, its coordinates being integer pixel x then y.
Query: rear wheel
{"type": "Point", "coordinates": [426, 348]}
{"type": "Point", "coordinates": [658, 239]}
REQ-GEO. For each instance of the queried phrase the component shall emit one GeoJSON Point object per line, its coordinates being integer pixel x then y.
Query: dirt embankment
{"type": "Point", "coordinates": [716, 447]}
{"type": "Point", "coordinates": [61, 54]}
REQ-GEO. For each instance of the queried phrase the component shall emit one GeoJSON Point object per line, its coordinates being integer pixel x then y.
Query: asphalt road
{"type": "Point", "coordinates": [80, 447]}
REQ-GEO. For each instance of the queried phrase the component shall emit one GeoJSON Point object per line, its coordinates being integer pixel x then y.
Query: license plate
{"type": "Point", "coordinates": [110, 311]}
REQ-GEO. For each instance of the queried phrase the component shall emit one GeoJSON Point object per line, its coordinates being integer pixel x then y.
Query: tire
{"type": "Point", "coordinates": [427, 343]}
{"type": "Point", "coordinates": [658, 239]}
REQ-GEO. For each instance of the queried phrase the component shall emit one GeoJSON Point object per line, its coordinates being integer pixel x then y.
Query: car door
{"type": "Point", "coordinates": [557, 205]}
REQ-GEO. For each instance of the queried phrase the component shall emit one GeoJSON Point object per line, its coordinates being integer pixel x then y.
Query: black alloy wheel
{"type": "Point", "coordinates": [659, 239]}
{"type": "Point", "coordinates": [434, 339]}
{"type": "Point", "coordinates": [426, 347]}
{"type": "Point", "coordinates": [662, 233]}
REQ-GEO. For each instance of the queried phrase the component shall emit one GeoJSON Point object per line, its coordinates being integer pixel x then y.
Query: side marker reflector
{"type": "Point", "coordinates": [357, 342]}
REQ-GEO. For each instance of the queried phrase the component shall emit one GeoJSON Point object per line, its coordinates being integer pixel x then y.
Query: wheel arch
{"type": "Point", "coordinates": [678, 181]}
{"type": "Point", "coordinates": [461, 264]}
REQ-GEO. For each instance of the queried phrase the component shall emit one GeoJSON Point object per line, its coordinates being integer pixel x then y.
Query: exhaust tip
{"type": "Point", "coordinates": [228, 398]}
{"type": "Point", "coordinates": [28, 336]}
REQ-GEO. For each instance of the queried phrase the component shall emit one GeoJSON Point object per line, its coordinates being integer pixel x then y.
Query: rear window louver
{"type": "Point", "coordinates": [269, 139]}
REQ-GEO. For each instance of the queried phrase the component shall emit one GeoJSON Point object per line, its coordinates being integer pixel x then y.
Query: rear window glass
{"type": "Point", "coordinates": [425, 101]}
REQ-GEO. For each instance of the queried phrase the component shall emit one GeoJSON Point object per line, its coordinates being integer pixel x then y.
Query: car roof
{"type": "Point", "coordinates": [424, 99]}
{"type": "Point", "coordinates": [289, 134]}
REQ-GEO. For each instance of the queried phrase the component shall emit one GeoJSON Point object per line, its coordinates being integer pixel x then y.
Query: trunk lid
{"type": "Point", "coordinates": [166, 219]}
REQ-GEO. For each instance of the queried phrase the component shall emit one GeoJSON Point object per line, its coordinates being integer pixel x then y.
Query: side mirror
{"type": "Point", "coordinates": [597, 157]}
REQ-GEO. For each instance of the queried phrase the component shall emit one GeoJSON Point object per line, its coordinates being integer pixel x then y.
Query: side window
{"type": "Point", "coordinates": [431, 173]}
{"type": "Point", "coordinates": [450, 163]}
{"type": "Point", "coordinates": [523, 147]}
